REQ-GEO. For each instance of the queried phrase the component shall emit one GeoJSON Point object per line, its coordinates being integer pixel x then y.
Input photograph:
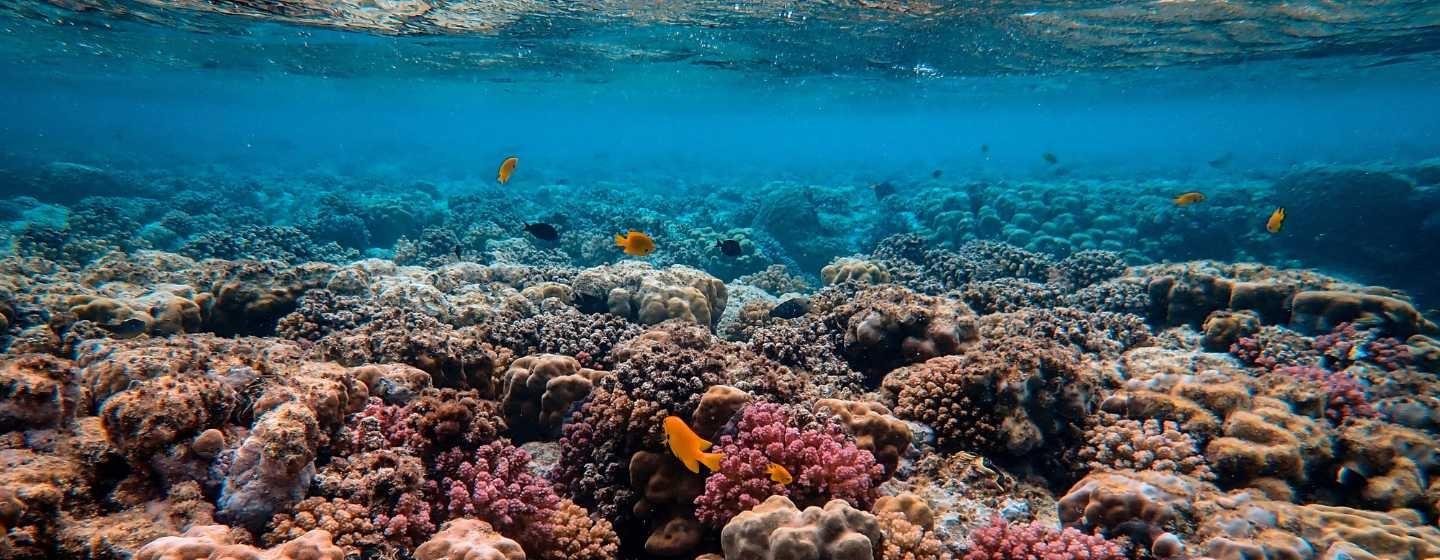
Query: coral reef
{"type": "Point", "coordinates": [1002, 375]}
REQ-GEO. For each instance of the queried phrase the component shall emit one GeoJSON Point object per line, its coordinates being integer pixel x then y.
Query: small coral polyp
{"type": "Point", "coordinates": [931, 400]}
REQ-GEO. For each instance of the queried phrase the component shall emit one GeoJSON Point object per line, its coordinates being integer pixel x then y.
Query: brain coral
{"type": "Point", "coordinates": [776, 529]}
{"type": "Point", "coordinates": [642, 294]}
{"type": "Point", "coordinates": [847, 270]}
{"type": "Point", "coordinates": [469, 539]}
{"type": "Point", "coordinates": [538, 390]}
{"type": "Point", "coordinates": [218, 541]}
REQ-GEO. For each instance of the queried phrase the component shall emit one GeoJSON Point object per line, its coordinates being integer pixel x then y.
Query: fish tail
{"type": "Point", "coordinates": [619, 240]}
{"type": "Point", "coordinates": [712, 460]}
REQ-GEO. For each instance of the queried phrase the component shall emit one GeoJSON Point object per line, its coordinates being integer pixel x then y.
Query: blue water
{"type": "Point", "coordinates": [698, 95]}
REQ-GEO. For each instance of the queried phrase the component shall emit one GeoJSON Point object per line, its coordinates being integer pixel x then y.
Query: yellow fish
{"type": "Point", "coordinates": [507, 167]}
{"type": "Point", "coordinates": [779, 474]}
{"type": "Point", "coordinates": [1189, 198]}
{"type": "Point", "coordinates": [1276, 221]}
{"type": "Point", "coordinates": [635, 244]}
{"type": "Point", "coordinates": [689, 447]}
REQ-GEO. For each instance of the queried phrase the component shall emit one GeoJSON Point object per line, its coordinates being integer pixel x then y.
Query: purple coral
{"type": "Point", "coordinates": [824, 462]}
{"type": "Point", "coordinates": [495, 484]}
{"type": "Point", "coordinates": [1002, 540]}
{"type": "Point", "coordinates": [1345, 397]}
{"type": "Point", "coordinates": [1347, 344]}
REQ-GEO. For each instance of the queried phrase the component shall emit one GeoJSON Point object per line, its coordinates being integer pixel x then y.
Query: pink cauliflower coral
{"type": "Point", "coordinates": [495, 484]}
{"type": "Point", "coordinates": [1345, 397]}
{"type": "Point", "coordinates": [1002, 540]}
{"type": "Point", "coordinates": [1346, 345]}
{"type": "Point", "coordinates": [823, 461]}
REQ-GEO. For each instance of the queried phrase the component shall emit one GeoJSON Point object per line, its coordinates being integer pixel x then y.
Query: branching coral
{"type": "Point", "coordinates": [1002, 540]}
{"type": "Point", "coordinates": [1009, 395]}
{"type": "Point", "coordinates": [824, 463]}
{"type": "Point", "coordinates": [1116, 443]}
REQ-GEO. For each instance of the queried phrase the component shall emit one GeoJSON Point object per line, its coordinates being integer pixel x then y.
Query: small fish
{"type": "Point", "coordinates": [728, 247]}
{"type": "Point", "coordinates": [1276, 221]}
{"type": "Point", "coordinates": [937, 173]}
{"type": "Point", "coordinates": [779, 474]}
{"type": "Point", "coordinates": [1189, 198]}
{"type": "Point", "coordinates": [507, 167]}
{"type": "Point", "coordinates": [791, 308]}
{"type": "Point", "coordinates": [883, 189]}
{"type": "Point", "coordinates": [985, 149]}
{"type": "Point", "coordinates": [689, 447]}
{"type": "Point", "coordinates": [1222, 161]}
{"type": "Point", "coordinates": [635, 244]}
{"type": "Point", "coordinates": [542, 231]}
{"type": "Point", "coordinates": [458, 255]}
{"type": "Point", "coordinates": [1050, 158]}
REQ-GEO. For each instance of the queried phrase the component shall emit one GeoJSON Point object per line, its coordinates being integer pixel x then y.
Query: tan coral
{"type": "Point", "coordinates": [577, 536]}
{"type": "Point", "coordinates": [718, 405]}
{"type": "Point", "coordinates": [392, 383]}
{"type": "Point", "coordinates": [776, 529]}
{"type": "Point", "coordinates": [849, 270]}
{"type": "Point", "coordinates": [1397, 465]}
{"type": "Point", "coordinates": [1322, 311]}
{"type": "Point", "coordinates": [1145, 503]}
{"type": "Point", "coordinates": [537, 391]}
{"type": "Point", "coordinates": [646, 295]}
{"type": "Point", "coordinates": [874, 428]}
{"type": "Point", "coordinates": [36, 391]}
{"type": "Point", "coordinates": [119, 535]}
{"type": "Point", "coordinates": [1223, 327]}
{"type": "Point", "coordinates": [217, 542]}
{"type": "Point", "coordinates": [468, 539]}
{"type": "Point", "coordinates": [1245, 525]}
{"type": "Point", "coordinates": [1269, 441]}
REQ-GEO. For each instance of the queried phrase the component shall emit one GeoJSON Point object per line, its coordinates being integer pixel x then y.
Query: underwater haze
{"type": "Point", "coordinates": [872, 279]}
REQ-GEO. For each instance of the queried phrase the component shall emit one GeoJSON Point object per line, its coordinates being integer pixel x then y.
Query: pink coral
{"type": "Point", "coordinates": [495, 484]}
{"type": "Point", "coordinates": [1346, 345]}
{"type": "Point", "coordinates": [1004, 541]}
{"type": "Point", "coordinates": [824, 462]}
{"type": "Point", "coordinates": [1345, 397]}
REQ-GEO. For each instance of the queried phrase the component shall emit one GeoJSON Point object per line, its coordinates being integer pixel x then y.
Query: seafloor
{"type": "Point", "coordinates": [211, 364]}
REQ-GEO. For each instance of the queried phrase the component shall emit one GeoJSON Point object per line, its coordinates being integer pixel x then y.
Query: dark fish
{"type": "Point", "coordinates": [936, 173]}
{"type": "Point", "coordinates": [728, 247]}
{"type": "Point", "coordinates": [129, 328]}
{"type": "Point", "coordinates": [791, 308]}
{"type": "Point", "coordinates": [883, 189]}
{"type": "Point", "coordinates": [1050, 158]}
{"type": "Point", "coordinates": [458, 255]}
{"type": "Point", "coordinates": [1222, 161]}
{"type": "Point", "coordinates": [984, 148]}
{"type": "Point", "coordinates": [543, 232]}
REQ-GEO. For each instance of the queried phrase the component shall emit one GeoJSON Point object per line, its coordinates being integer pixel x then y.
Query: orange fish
{"type": "Point", "coordinates": [1276, 221]}
{"type": "Point", "coordinates": [1189, 198]}
{"type": "Point", "coordinates": [779, 474]}
{"type": "Point", "coordinates": [689, 447]}
{"type": "Point", "coordinates": [507, 167]}
{"type": "Point", "coordinates": [635, 244]}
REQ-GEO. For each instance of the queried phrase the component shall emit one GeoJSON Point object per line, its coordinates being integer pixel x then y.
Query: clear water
{"type": "Point", "coordinates": [662, 98]}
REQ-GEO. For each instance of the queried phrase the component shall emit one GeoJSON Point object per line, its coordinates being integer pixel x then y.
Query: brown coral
{"type": "Point", "coordinates": [469, 539]}
{"type": "Point", "coordinates": [36, 391]}
{"type": "Point", "coordinates": [777, 529]}
{"type": "Point", "coordinates": [874, 429]}
{"type": "Point", "coordinates": [537, 391]}
{"type": "Point", "coordinates": [889, 326]}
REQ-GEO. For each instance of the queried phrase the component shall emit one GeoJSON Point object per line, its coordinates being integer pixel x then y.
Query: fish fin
{"type": "Point", "coordinates": [703, 445]}
{"type": "Point", "coordinates": [690, 463]}
{"type": "Point", "coordinates": [619, 240]}
{"type": "Point", "coordinates": [712, 460]}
